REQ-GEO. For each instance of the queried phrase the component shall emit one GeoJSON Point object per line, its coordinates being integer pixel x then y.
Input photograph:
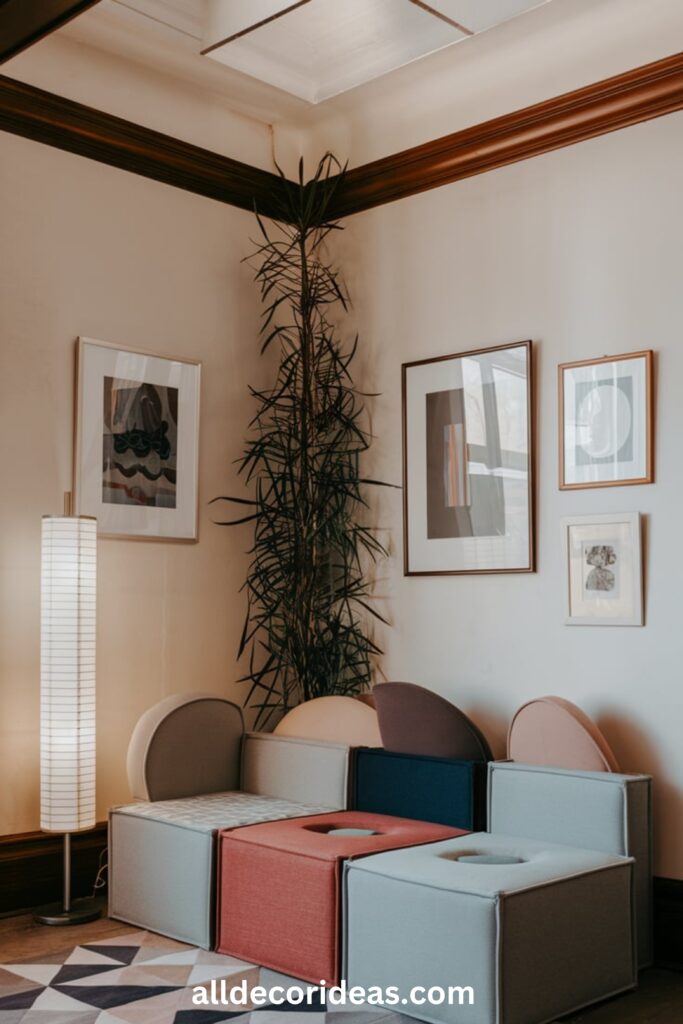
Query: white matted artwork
{"type": "Point", "coordinates": [468, 462]}
{"type": "Point", "coordinates": [137, 442]}
{"type": "Point", "coordinates": [606, 421]}
{"type": "Point", "coordinates": [603, 570]}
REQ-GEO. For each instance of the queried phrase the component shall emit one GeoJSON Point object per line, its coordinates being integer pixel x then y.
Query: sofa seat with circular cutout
{"type": "Point", "coordinates": [536, 932]}
{"type": "Point", "coordinates": [279, 886]}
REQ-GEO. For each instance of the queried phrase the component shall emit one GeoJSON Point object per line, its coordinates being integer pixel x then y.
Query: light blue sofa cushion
{"type": "Point", "coordinates": [163, 858]}
{"type": "Point", "coordinates": [534, 940]}
{"type": "Point", "coordinates": [594, 810]}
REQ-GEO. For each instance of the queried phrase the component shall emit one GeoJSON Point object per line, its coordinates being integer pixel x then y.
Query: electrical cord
{"type": "Point", "coordinates": [100, 877]}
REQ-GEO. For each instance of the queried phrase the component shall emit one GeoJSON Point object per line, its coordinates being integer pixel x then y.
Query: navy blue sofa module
{"type": "Point", "coordinates": [436, 789]}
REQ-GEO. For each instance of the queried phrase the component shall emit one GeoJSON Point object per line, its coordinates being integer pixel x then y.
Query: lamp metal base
{"type": "Point", "coordinates": [81, 912]}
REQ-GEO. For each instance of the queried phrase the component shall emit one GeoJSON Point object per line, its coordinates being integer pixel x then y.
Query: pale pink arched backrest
{"type": "Point", "coordinates": [334, 719]}
{"type": "Point", "coordinates": [554, 732]}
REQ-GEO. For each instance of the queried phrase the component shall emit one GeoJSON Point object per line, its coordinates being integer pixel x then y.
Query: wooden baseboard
{"type": "Point", "coordinates": [668, 922]}
{"type": "Point", "coordinates": [31, 867]}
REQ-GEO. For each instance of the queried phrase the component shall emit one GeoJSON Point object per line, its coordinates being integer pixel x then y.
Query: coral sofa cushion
{"type": "Point", "coordinates": [413, 720]}
{"type": "Point", "coordinates": [553, 731]}
{"type": "Point", "coordinates": [279, 886]}
{"type": "Point", "coordinates": [335, 719]}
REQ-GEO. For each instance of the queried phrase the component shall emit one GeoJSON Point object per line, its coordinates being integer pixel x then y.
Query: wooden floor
{"type": "Point", "coordinates": [21, 937]}
{"type": "Point", "coordinates": [658, 1000]}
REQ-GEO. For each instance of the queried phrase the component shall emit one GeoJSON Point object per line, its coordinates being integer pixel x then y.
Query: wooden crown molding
{"type": "Point", "coordinates": [639, 95]}
{"type": "Point", "coordinates": [44, 117]}
{"type": "Point", "coordinates": [24, 22]}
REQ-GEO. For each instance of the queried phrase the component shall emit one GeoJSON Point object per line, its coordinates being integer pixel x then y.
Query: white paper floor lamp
{"type": "Point", "coordinates": [67, 691]}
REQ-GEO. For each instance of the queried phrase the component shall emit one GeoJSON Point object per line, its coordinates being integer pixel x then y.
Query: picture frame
{"type": "Point", "coordinates": [606, 421]}
{"type": "Point", "coordinates": [136, 442]}
{"type": "Point", "coordinates": [603, 568]}
{"type": "Point", "coordinates": [468, 462]}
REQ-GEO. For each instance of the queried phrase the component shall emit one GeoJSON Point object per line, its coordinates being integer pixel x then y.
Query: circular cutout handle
{"type": "Point", "coordinates": [489, 858]}
{"type": "Point", "coordinates": [352, 832]}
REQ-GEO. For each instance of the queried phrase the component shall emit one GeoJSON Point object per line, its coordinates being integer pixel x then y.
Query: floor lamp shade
{"type": "Point", "coordinates": [67, 673]}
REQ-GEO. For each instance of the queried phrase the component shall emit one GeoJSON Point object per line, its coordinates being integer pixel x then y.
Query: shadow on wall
{"type": "Point", "coordinates": [494, 726]}
{"type": "Point", "coordinates": [636, 752]}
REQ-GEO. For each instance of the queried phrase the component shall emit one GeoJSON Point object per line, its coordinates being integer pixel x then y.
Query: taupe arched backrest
{"type": "Point", "coordinates": [186, 745]}
{"type": "Point", "coordinates": [413, 720]}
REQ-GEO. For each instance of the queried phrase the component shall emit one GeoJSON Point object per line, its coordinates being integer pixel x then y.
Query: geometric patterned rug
{"type": "Point", "coordinates": [142, 978]}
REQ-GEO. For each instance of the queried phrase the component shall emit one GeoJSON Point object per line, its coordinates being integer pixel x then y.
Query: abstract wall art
{"type": "Point", "coordinates": [606, 421]}
{"type": "Point", "coordinates": [136, 449]}
{"type": "Point", "coordinates": [468, 462]}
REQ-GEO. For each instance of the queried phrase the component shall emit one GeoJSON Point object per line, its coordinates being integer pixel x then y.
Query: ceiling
{"type": "Point", "coordinates": [317, 49]}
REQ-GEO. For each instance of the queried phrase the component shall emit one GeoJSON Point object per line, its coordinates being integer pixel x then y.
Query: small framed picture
{"type": "Point", "coordinates": [606, 421]}
{"type": "Point", "coordinates": [468, 462]}
{"type": "Point", "coordinates": [137, 442]}
{"type": "Point", "coordinates": [604, 570]}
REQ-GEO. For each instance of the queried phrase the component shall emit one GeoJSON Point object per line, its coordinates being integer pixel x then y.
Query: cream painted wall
{"type": "Point", "coordinates": [579, 250]}
{"type": "Point", "coordinates": [92, 250]}
{"type": "Point", "coordinates": [144, 95]}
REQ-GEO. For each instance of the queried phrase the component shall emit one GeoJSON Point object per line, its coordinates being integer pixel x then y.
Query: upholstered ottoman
{"type": "Point", "coordinates": [279, 886]}
{"type": "Point", "coordinates": [438, 789]}
{"type": "Point", "coordinates": [535, 930]}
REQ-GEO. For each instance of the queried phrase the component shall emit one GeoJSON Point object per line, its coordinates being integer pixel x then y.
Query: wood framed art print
{"type": "Point", "coordinates": [137, 442]}
{"type": "Point", "coordinates": [468, 462]}
{"type": "Point", "coordinates": [606, 421]}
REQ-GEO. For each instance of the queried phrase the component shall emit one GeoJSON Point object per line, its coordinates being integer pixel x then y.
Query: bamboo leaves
{"type": "Point", "coordinates": [308, 595]}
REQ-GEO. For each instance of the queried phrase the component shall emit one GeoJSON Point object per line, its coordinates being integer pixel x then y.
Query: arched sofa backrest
{"type": "Point", "coordinates": [554, 732]}
{"type": "Point", "coordinates": [334, 719]}
{"type": "Point", "coordinates": [413, 720]}
{"type": "Point", "coordinates": [186, 745]}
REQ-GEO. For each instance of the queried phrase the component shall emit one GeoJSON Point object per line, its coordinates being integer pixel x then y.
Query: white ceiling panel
{"type": "Point", "coordinates": [324, 47]}
{"type": "Point", "coordinates": [228, 18]}
{"type": "Point", "coordinates": [478, 15]}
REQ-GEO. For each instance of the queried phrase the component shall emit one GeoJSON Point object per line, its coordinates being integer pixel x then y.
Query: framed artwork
{"type": "Point", "coordinates": [137, 442]}
{"type": "Point", "coordinates": [468, 463]}
{"type": "Point", "coordinates": [606, 421]}
{"type": "Point", "coordinates": [604, 570]}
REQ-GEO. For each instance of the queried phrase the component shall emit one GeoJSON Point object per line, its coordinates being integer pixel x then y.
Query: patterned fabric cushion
{"type": "Point", "coordinates": [219, 810]}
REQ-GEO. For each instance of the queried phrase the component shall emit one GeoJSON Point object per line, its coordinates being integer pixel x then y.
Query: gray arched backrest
{"type": "Point", "coordinates": [186, 745]}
